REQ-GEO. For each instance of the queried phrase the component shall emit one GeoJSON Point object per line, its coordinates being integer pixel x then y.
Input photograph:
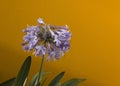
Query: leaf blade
{"type": "Point", "coordinates": [73, 82]}
{"type": "Point", "coordinates": [23, 73]}
{"type": "Point", "coordinates": [42, 84]}
{"type": "Point", "coordinates": [33, 80]}
{"type": "Point", "coordinates": [56, 80]}
{"type": "Point", "coordinates": [8, 82]}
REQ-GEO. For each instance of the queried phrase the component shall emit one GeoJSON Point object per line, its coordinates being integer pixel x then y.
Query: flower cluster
{"type": "Point", "coordinates": [45, 39]}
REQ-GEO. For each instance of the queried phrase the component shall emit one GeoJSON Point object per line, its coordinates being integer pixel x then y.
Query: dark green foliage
{"type": "Point", "coordinates": [8, 82]}
{"type": "Point", "coordinates": [56, 80]}
{"type": "Point", "coordinates": [23, 73]}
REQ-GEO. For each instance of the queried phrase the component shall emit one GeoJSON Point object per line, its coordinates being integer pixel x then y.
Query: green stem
{"type": "Point", "coordinates": [40, 71]}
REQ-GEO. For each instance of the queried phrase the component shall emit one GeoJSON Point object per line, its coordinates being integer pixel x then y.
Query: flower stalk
{"type": "Point", "coordinates": [40, 70]}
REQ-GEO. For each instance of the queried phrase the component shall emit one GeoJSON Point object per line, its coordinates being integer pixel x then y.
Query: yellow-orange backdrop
{"type": "Point", "coordinates": [95, 45]}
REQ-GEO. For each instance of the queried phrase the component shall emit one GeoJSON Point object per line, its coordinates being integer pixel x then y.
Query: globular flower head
{"type": "Point", "coordinates": [49, 40]}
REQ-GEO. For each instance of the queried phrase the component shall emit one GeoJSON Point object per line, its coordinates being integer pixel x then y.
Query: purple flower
{"type": "Point", "coordinates": [40, 50]}
{"type": "Point", "coordinates": [49, 40]}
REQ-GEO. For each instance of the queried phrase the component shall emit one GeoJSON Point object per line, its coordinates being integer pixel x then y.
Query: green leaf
{"type": "Point", "coordinates": [44, 74]}
{"type": "Point", "coordinates": [58, 84]}
{"type": "Point", "coordinates": [38, 84]}
{"type": "Point", "coordinates": [73, 82]}
{"type": "Point", "coordinates": [34, 79]}
{"type": "Point", "coordinates": [23, 73]}
{"type": "Point", "coordinates": [42, 84]}
{"type": "Point", "coordinates": [8, 82]}
{"type": "Point", "coordinates": [56, 80]}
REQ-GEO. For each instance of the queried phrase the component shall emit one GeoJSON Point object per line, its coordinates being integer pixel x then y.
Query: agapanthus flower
{"type": "Point", "coordinates": [45, 39]}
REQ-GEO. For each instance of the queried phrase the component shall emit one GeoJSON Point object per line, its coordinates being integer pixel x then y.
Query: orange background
{"type": "Point", "coordinates": [95, 44]}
